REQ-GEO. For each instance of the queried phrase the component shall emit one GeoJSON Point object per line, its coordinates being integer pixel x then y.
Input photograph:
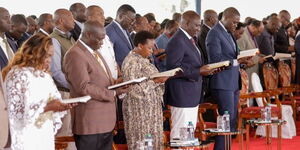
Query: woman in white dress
{"type": "Point", "coordinates": [34, 103]}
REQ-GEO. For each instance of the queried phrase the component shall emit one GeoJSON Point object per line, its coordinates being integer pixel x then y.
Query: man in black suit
{"type": "Point", "coordinates": [78, 12]}
{"type": "Point", "coordinates": [17, 33]}
{"type": "Point", "coordinates": [281, 38]}
{"type": "Point", "coordinates": [7, 47]}
{"type": "Point", "coordinates": [46, 23]}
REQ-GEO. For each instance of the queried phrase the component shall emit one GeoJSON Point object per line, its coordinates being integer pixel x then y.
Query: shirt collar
{"type": "Point", "coordinates": [187, 35]}
{"type": "Point", "coordinates": [87, 47]}
{"type": "Point", "coordinates": [43, 31]}
{"type": "Point", "coordinates": [79, 24]}
{"type": "Point", "coordinates": [4, 38]}
{"type": "Point", "coordinates": [119, 25]}
{"type": "Point", "coordinates": [207, 26]}
{"type": "Point", "coordinates": [223, 26]}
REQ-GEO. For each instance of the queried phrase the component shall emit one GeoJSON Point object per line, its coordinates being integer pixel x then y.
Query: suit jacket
{"type": "Point", "coordinates": [246, 42]}
{"type": "Point", "coordinates": [265, 43]}
{"type": "Point", "coordinates": [220, 48]}
{"type": "Point", "coordinates": [281, 41]}
{"type": "Point", "coordinates": [297, 50]}
{"type": "Point", "coordinates": [3, 58]}
{"type": "Point", "coordinates": [4, 130]}
{"type": "Point", "coordinates": [120, 43]}
{"type": "Point", "coordinates": [87, 77]}
{"type": "Point", "coordinates": [76, 32]}
{"type": "Point", "coordinates": [201, 42]}
{"type": "Point", "coordinates": [184, 90]}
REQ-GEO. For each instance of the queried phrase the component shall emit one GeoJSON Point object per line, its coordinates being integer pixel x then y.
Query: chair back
{"type": "Point", "coordinates": [245, 87]}
{"type": "Point", "coordinates": [257, 88]}
{"type": "Point", "coordinates": [270, 75]}
{"type": "Point", "coordinates": [293, 68]}
{"type": "Point", "coordinates": [285, 74]}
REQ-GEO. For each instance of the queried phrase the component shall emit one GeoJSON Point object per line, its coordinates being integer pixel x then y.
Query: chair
{"type": "Point", "coordinates": [202, 124]}
{"type": "Point", "coordinates": [283, 111]}
{"type": "Point", "coordinates": [61, 142]}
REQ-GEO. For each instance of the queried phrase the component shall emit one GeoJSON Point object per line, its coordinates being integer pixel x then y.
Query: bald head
{"type": "Point", "coordinates": [93, 34]}
{"type": "Point", "coordinates": [95, 13]}
{"type": "Point", "coordinates": [190, 22]}
{"type": "Point", "coordinates": [64, 20]}
{"type": "Point", "coordinates": [5, 23]}
{"type": "Point", "coordinates": [210, 17]}
{"type": "Point", "coordinates": [230, 18]}
{"type": "Point", "coordinates": [78, 11]}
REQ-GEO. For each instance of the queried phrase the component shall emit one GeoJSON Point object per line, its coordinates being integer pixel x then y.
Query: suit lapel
{"type": "Point", "coordinates": [3, 56]}
{"type": "Point", "coordinates": [120, 33]}
{"type": "Point", "coordinates": [191, 45]}
{"type": "Point", "coordinates": [94, 61]}
{"type": "Point", "coordinates": [225, 35]}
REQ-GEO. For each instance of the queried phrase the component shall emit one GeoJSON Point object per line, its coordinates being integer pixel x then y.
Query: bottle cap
{"type": "Point", "coordinates": [226, 112]}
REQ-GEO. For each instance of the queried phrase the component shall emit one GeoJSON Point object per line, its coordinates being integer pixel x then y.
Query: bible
{"type": "Point", "coordinates": [247, 53]}
{"type": "Point", "coordinates": [278, 56]}
{"type": "Point", "coordinates": [82, 99]}
{"type": "Point", "coordinates": [168, 73]}
{"type": "Point", "coordinates": [219, 64]}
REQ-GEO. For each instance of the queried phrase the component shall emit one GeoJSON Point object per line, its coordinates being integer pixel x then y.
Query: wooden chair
{"type": "Point", "coordinates": [61, 142]}
{"type": "Point", "coordinates": [202, 124]}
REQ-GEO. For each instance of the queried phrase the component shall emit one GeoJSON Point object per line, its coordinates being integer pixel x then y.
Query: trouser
{"type": "Point", "coordinates": [180, 117]}
{"type": "Point", "coordinates": [101, 141]}
{"type": "Point", "coordinates": [227, 101]}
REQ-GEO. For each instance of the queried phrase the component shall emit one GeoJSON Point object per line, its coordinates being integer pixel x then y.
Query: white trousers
{"type": "Point", "coordinates": [180, 117]}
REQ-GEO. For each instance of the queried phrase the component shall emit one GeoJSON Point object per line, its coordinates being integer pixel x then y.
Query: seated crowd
{"type": "Point", "coordinates": [77, 52]}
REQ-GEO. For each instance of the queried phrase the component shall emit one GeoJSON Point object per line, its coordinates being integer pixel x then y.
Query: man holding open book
{"type": "Point", "coordinates": [183, 93]}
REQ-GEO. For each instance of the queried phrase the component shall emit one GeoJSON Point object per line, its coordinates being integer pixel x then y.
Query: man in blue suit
{"type": "Point", "coordinates": [7, 47]}
{"type": "Point", "coordinates": [225, 85]}
{"type": "Point", "coordinates": [118, 32]}
{"type": "Point", "coordinates": [183, 93]}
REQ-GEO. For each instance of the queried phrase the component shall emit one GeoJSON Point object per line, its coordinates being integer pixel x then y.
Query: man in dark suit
{"type": "Point", "coordinates": [225, 85]}
{"type": "Point", "coordinates": [18, 30]}
{"type": "Point", "coordinates": [281, 38]}
{"type": "Point", "coordinates": [46, 24]}
{"type": "Point", "coordinates": [7, 47]}
{"type": "Point", "coordinates": [183, 93]}
{"type": "Point", "coordinates": [88, 74]}
{"type": "Point", "coordinates": [118, 32]}
{"type": "Point", "coordinates": [210, 19]}
{"type": "Point", "coordinates": [78, 12]}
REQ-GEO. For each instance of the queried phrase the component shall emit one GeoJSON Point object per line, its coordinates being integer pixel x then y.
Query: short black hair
{"type": "Point", "coordinates": [164, 22]}
{"type": "Point", "coordinates": [255, 23]}
{"type": "Point", "coordinates": [220, 15]}
{"type": "Point", "coordinates": [125, 8]}
{"type": "Point", "coordinates": [33, 16]}
{"type": "Point", "coordinates": [150, 17]}
{"type": "Point", "coordinates": [42, 19]}
{"type": "Point", "coordinates": [239, 26]}
{"type": "Point", "coordinates": [170, 24]}
{"type": "Point", "coordinates": [18, 19]}
{"type": "Point", "coordinates": [142, 37]}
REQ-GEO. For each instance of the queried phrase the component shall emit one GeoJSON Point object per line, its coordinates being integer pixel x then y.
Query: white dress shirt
{"type": "Point", "coordinates": [4, 46]}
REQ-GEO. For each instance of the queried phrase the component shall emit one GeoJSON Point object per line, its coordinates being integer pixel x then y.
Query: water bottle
{"type": "Point", "coordinates": [148, 142]}
{"type": "Point", "coordinates": [268, 113]}
{"type": "Point", "coordinates": [191, 132]}
{"type": "Point", "coordinates": [220, 123]}
{"type": "Point", "coordinates": [226, 119]}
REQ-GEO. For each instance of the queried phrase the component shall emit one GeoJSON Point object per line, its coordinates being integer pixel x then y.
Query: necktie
{"type": "Point", "coordinates": [101, 62]}
{"type": "Point", "coordinates": [10, 53]}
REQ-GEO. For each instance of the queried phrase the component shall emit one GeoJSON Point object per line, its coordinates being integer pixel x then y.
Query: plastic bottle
{"type": "Point", "coordinates": [220, 123]}
{"type": "Point", "coordinates": [148, 142]}
{"type": "Point", "coordinates": [191, 132]}
{"type": "Point", "coordinates": [226, 119]}
{"type": "Point", "coordinates": [268, 113]}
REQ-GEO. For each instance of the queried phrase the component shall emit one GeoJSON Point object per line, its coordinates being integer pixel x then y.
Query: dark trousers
{"type": "Point", "coordinates": [227, 101]}
{"type": "Point", "coordinates": [102, 141]}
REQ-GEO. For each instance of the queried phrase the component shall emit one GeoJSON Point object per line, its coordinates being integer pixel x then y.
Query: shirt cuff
{"type": "Point", "coordinates": [235, 62]}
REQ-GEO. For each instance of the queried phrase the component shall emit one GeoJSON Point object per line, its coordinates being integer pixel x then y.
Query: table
{"type": "Point", "coordinates": [268, 125]}
{"type": "Point", "coordinates": [227, 135]}
{"type": "Point", "coordinates": [202, 146]}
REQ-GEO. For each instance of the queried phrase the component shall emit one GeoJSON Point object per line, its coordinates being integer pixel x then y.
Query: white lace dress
{"type": "Point", "coordinates": [28, 92]}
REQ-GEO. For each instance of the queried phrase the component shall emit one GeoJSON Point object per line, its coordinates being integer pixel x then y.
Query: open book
{"type": "Point", "coordinates": [279, 56]}
{"type": "Point", "coordinates": [247, 53]}
{"type": "Point", "coordinates": [168, 73]}
{"type": "Point", "coordinates": [82, 99]}
{"type": "Point", "coordinates": [219, 64]}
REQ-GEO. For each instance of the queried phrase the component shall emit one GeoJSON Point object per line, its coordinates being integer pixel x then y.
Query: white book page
{"type": "Point", "coordinates": [82, 99]}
